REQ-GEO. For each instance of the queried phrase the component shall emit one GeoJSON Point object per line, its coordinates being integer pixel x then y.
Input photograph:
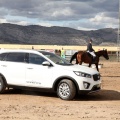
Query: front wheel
{"type": "Point", "coordinates": [2, 85]}
{"type": "Point", "coordinates": [66, 89]}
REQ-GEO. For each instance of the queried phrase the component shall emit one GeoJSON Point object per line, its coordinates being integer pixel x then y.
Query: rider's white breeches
{"type": "Point", "coordinates": [93, 54]}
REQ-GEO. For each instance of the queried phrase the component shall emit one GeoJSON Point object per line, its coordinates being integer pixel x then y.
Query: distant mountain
{"type": "Point", "coordinates": [33, 34]}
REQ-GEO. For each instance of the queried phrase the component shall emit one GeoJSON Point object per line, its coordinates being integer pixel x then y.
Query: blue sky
{"type": "Point", "coordinates": [77, 14]}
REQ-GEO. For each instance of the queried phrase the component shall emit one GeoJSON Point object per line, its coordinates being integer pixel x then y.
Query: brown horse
{"type": "Point", "coordinates": [87, 58]}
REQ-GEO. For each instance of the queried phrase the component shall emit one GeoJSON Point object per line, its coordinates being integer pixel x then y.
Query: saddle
{"type": "Point", "coordinates": [91, 57]}
{"type": "Point", "coordinates": [89, 54]}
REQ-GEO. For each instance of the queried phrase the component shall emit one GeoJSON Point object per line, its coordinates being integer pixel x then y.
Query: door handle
{"type": "Point", "coordinates": [29, 68]}
{"type": "Point", "coordinates": [4, 65]}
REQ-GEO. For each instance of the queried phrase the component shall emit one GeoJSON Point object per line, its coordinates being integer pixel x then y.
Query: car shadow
{"type": "Point", "coordinates": [30, 92]}
{"type": "Point", "coordinates": [103, 95]}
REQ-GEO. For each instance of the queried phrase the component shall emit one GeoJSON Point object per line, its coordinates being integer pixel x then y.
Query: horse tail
{"type": "Point", "coordinates": [73, 57]}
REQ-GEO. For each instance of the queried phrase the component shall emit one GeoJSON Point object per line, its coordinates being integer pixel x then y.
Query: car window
{"type": "Point", "coordinates": [36, 59]}
{"type": "Point", "coordinates": [15, 57]}
{"type": "Point", "coordinates": [2, 56]}
{"type": "Point", "coordinates": [55, 58]}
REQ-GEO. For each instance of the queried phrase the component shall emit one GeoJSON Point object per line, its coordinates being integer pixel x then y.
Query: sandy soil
{"type": "Point", "coordinates": [105, 105]}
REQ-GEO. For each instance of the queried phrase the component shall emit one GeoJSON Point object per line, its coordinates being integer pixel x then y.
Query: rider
{"type": "Point", "coordinates": [63, 53]}
{"type": "Point", "coordinates": [91, 50]}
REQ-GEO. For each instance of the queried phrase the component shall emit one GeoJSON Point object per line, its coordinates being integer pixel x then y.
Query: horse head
{"type": "Point", "coordinates": [105, 54]}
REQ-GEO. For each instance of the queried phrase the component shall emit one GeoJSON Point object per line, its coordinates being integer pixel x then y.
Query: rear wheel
{"type": "Point", "coordinates": [66, 89]}
{"type": "Point", "coordinates": [2, 85]}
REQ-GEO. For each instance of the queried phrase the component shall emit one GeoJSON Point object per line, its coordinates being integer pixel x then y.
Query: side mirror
{"type": "Point", "coordinates": [46, 63]}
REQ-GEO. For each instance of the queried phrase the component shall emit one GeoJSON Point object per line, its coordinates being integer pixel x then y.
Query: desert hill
{"type": "Point", "coordinates": [34, 34]}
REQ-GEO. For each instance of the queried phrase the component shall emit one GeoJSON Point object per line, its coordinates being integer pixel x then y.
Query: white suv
{"type": "Point", "coordinates": [46, 71]}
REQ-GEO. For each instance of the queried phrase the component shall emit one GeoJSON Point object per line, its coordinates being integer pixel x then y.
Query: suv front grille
{"type": "Point", "coordinates": [96, 77]}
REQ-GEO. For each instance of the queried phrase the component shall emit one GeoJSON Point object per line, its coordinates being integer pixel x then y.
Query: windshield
{"type": "Point", "coordinates": [55, 58]}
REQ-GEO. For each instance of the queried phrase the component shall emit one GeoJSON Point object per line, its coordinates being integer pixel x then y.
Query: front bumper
{"type": "Point", "coordinates": [94, 89]}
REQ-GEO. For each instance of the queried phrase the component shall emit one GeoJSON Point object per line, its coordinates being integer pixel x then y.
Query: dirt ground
{"type": "Point", "coordinates": [104, 105]}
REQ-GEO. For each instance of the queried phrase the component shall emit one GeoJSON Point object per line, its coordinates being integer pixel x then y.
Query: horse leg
{"type": "Point", "coordinates": [76, 61]}
{"type": "Point", "coordinates": [89, 65]}
{"type": "Point", "coordinates": [80, 63]}
{"type": "Point", "coordinates": [97, 67]}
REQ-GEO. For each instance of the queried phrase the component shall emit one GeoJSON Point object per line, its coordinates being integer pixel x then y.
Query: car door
{"type": "Point", "coordinates": [38, 75]}
{"type": "Point", "coordinates": [13, 68]}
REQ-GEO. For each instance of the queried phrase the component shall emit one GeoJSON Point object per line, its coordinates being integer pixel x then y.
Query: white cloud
{"type": "Point", "coordinates": [3, 21]}
{"type": "Point", "coordinates": [84, 14]}
{"type": "Point", "coordinates": [97, 18]}
{"type": "Point", "coordinates": [85, 29]}
{"type": "Point", "coordinates": [45, 24]}
{"type": "Point", "coordinates": [64, 12]}
{"type": "Point", "coordinates": [101, 18]}
{"type": "Point", "coordinates": [24, 23]}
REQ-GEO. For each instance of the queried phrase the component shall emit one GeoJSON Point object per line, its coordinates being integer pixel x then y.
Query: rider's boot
{"type": "Point", "coordinates": [93, 60]}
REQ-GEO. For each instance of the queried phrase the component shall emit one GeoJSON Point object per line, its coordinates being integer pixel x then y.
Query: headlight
{"type": "Point", "coordinates": [82, 74]}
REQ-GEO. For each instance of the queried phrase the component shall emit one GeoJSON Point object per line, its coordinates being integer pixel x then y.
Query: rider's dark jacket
{"type": "Point", "coordinates": [89, 47]}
